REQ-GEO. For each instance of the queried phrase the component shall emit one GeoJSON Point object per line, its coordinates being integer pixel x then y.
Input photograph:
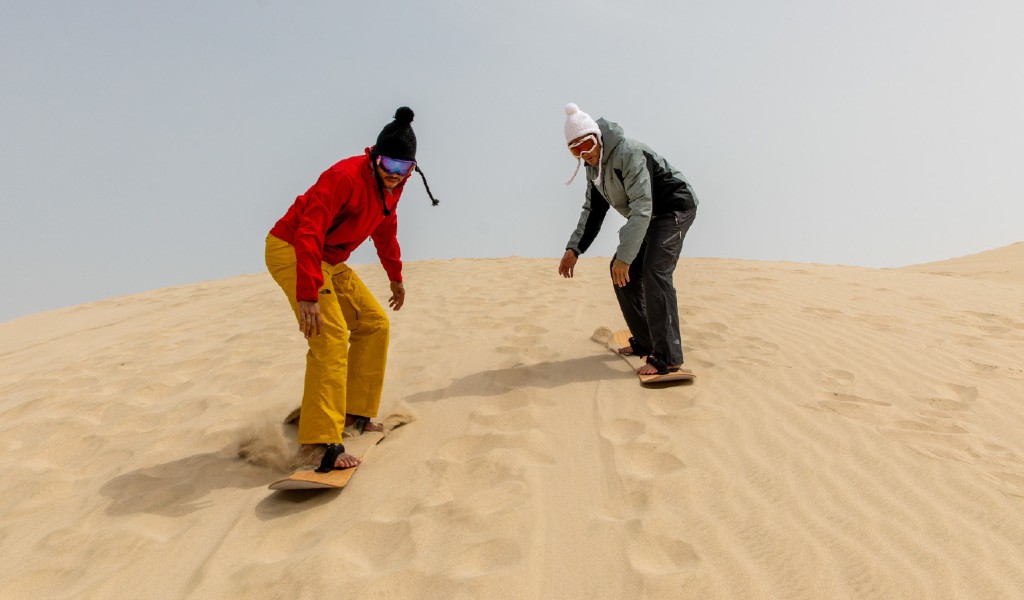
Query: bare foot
{"type": "Point", "coordinates": [627, 350]}
{"type": "Point", "coordinates": [310, 455]}
{"type": "Point", "coordinates": [650, 370]}
{"type": "Point", "coordinates": [346, 460]}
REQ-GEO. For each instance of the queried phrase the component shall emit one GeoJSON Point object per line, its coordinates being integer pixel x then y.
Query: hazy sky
{"type": "Point", "coordinates": [148, 144]}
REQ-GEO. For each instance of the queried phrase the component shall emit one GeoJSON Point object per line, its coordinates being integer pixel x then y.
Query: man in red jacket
{"type": "Point", "coordinates": [347, 329]}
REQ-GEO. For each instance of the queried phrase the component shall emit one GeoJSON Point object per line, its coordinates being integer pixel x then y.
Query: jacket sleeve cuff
{"type": "Point", "coordinates": [394, 273]}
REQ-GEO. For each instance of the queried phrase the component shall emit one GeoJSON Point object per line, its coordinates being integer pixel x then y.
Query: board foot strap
{"type": "Point", "coordinates": [330, 456]}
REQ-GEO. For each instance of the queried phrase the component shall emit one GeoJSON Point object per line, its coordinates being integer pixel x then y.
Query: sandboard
{"type": "Point", "coordinates": [621, 338]}
{"type": "Point", "coordinates": [308, 479]}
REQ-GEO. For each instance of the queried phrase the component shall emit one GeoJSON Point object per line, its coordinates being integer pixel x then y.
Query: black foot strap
{"type": "Point", "coordinates": [637, 349]}
{"type": "Point", "coordinates": [660, 365]}
{"type": "Point", "coordinates": [360, 422]}
{"type": "Point", "coordinates": [330, 456]}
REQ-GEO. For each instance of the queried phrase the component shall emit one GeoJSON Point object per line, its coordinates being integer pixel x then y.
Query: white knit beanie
{"type": "Point", "coordinates": [578, 124]}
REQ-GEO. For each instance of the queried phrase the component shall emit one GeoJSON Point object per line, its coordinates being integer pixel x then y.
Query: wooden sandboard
{"type": "Point", "coordinates": [621, 338]}
{"type": "Point", "coordinates": [307, 478]}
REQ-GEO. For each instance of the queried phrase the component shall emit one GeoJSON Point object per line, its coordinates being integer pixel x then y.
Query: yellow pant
{"type": "Point", "coordinates": [346, 362]}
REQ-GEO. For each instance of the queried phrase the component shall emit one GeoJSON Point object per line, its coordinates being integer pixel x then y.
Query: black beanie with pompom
{"type": "Point", "coordinates": [397, 139]}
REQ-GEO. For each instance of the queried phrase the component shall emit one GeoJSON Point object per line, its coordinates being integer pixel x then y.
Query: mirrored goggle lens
{"type": "Point", "coordinates": [585, 145]}
{"type": "Point", "coordinates": [393, 166]}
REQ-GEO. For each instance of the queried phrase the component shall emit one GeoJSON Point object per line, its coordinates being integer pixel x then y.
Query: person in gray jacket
{"type": "Point", "coordinates": [659, 206]}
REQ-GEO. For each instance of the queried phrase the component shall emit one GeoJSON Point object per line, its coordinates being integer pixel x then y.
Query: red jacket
{"type": "Point", "coordinates": [334, 217]}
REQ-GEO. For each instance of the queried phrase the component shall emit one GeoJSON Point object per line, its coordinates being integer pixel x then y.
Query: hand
{"type": "Point", "coordinates": [568, 263]}
{"type": "Point", "coordinates": [397, 298]}
{"type": "Point", "coordinates": [310, 322]}
{"type": "Point", "coordinates": [620, 273]}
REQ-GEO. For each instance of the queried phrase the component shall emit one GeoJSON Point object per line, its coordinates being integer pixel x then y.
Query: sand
{"type": "Point", "coordinates": [852, 433]}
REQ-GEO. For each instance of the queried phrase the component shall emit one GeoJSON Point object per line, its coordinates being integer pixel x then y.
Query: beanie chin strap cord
{"type": "Point", "coordinates": [434, 201]}
{"type": "Point", "coordinates": [578, 161]}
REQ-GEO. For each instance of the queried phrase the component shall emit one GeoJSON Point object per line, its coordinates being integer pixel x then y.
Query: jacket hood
{"type": "Point", "coordinates": [611, 135]}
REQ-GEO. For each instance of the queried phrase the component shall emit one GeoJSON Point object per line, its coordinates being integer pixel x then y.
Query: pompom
{"type": "Point", "coordinates": [571, 109]}
{"type": "Point", "coordinates": [404, 115]}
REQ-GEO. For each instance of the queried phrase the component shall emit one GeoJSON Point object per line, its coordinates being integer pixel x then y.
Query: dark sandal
{"type": "Point", "coordinates": [331, 454]}
{"type": "Point", "coordinates": [657, 363]}
{"type": "Point", "coordinates": [360, 422]}
{"type": "Point", "coordinates": [635, 349]}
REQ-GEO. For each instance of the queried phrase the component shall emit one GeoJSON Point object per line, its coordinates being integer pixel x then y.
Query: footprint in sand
{"type": "Point", "coordinates": [644, 460]}
{"type": "Point", "coordinates": [527, 348]}
{"type": "Point", "coordinates": [528, 447]}
{"type": "Point", "coordinates": [759, 345]}
{"type": "Point", "coordinates": [927, 301]}
{"type": "Point", "coordinates": [655, 553]}
{"type": "Point", "coordinates": [621, 431]}
{"type": "Point", "coordinates": [836, 377]}
{"type": "Point", "coordinates": [882, 322]}
{"type": "Point", "coordinates": [853, 407]}
{"type": "Point", "coordinates": [510, 421]}
{"type": "Point", "coordinates": [530, 330]}
{"type": "Point", "coordinates": [966, 396]}
{"type": "Point", "coordinates": [522, 341]}
{"type": "Point", "coordinates": [379, 546]}
{"type": "Point", "coordinates": [989, 318]}
{"type": "Point", "coordinates": [484, 558]}
{"type": "Point", "coordinates": [994, 370]}
{"type": "Point", "coordinates": [483, 323]}
{"type": "Point", "coordinates": [944, 404]}
{"type": "Point", "coordinates": [932, 426]}
{"type": "Point", "coordinates": [1012, 483]}
{"type": "Point", "coordinates": [966, 393]}
{"type": "Point", "coordinates": [455, 478]}
{"type": "Point", "coordinates": [827, 313]}
{"type": "Point", "coordinates": [664, 405]}
{"type": "Point", "coordinates": [931, 439]}
{"type": "Point", "coordinates": [750, 361]}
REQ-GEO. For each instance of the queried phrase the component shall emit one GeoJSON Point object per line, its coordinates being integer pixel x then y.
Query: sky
{"type": "Point", "coordinates": [151, 144]}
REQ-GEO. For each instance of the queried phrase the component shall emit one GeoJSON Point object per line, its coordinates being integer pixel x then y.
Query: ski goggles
{"type": "Point", "coordinates": [586, 144]}
{"type": "Point", "coordinates": [393, 166]}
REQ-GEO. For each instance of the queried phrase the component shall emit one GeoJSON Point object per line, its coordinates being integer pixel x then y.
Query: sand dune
{"type": "Point", "coordinates": [852, 433]}
{"type": "Point", "coordinates": [1001, 264]}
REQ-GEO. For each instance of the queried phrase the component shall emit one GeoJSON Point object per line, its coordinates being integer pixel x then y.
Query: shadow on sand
{"type": "Point", "coordinates": [178, 488]}
{"type": "Point", "coordinates": [182, 487]}
{"type": "Point", "coordinates": [551, 374]}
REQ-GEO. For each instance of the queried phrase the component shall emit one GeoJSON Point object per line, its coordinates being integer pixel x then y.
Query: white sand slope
{"type": "Point", "coordinates": [1002, 264]}
{"type": "Point", "coordinates": [852, 433]}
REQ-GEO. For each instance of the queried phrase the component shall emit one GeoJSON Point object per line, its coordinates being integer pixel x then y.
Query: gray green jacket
{"type": "Point", "coordinates": [638, 183]}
